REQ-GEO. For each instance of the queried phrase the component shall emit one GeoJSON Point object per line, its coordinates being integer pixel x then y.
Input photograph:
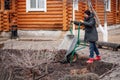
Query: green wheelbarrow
{"type": "Point", "coordinates": [71, 43]}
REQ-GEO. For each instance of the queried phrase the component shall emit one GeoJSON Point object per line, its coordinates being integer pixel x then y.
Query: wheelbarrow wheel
{"type": "Point", "coordinates": [71, 58]}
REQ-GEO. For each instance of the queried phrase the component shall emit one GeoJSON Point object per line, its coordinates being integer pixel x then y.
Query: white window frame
{"type": "Point", "coordinates": [76, 4]}
{"type": "Point", "coordinates": [108, 5]}
{"type": "Point", "coordinates": [35, 9]}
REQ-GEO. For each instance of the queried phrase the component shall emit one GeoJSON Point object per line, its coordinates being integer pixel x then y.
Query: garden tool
{"type": "Point", "coordinates": [71, 44]}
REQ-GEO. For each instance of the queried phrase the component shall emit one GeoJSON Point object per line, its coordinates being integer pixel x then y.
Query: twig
{"type": "Point", "coordinates": [108, 72]}
{"type": "Point", "coordinates": [41, 76]}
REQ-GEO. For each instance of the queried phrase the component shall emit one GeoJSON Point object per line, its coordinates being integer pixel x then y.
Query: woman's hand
{"type": "Point", "coordinates": [81, 21]}
{"type": "Point", "coordinates": [71, 21]}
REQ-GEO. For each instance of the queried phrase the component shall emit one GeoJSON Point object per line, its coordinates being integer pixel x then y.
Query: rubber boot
{"type": "Point", "coordinates": [97, 58]}
{"type": "Point", "coordinates": [90, 60]}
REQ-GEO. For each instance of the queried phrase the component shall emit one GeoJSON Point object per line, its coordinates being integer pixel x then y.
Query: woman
{"type": "Point", "coordinates": [91, 34]}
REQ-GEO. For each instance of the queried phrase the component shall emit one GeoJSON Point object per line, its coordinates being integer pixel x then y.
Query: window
{"type": "Point", "coordinates": [7, 4]}
{"type": "Point", "coordinates": [108, 5]}
{"type": "Point", "coordinates": [117, 5]}
{"type": "Point", "coordinates": [75, 4]}
{"type": "Point", "coordinates": [36, 5]}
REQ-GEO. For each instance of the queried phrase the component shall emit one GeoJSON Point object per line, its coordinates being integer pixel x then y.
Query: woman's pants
{"type": "Point", "coordinates": [93, 49]}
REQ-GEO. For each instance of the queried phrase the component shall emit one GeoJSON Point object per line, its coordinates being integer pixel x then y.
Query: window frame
{"type": "Point", "coordinates": [108, 5]}
{"type": "Point", "coordinates": [35, 9]}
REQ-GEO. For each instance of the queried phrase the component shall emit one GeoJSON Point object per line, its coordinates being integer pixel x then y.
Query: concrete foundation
{"type": "Point", "coordinates": [54, 34]}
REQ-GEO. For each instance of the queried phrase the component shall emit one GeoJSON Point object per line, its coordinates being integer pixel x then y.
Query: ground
{"type": "Point", "coordinates": [107, 56]}
{"type": "Point", "coordinates": [107, 69]}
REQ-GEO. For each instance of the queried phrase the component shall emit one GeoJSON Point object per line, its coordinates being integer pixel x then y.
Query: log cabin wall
{"type": "Point", "coordinates": [78, 13]}
{"type": "Point", "coordinates": [117, 11]}
{"type": "Point", "coordinates": [57, 16]}
{"type": "Point", "coordinates": [6, 23]}
{"type": "Point", "coordinates": [111, 15]}
{"type": "Point", "coordinates": [51, 19]}
{"type": "Point", "coordinates": [1, 20]}
{"type": "Point", "coordinates": [1, 15]}
{"type": "Point", "coordinates": [6, 14]}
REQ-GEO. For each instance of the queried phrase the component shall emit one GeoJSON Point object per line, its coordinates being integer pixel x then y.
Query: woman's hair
{"type": "Point", "coordinates": [87, 12]}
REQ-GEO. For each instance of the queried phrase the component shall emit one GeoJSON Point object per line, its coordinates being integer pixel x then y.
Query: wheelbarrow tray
{"type": "Point", "coordinates": [69, 42]}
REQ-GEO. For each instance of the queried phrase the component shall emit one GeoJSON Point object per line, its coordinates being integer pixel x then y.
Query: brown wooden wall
{"type": "Point", "coordinates": [52, 19]}
{"type": "Point", "coordinates": [58, 15]}
{"type": "Point", "coordinates": [6, 16]}
{"type": "Point", "coordinates": [117, 14]}
{"type": "Point", "coordinates": [1, 23]}
{"type": "Point", "coordinates": [111, 16]}
{"type": "Point", "coordinates": [78, 13]}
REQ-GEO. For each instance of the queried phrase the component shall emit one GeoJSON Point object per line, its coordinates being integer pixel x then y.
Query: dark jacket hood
{"type": "Point", "coordinates": [91, 16]}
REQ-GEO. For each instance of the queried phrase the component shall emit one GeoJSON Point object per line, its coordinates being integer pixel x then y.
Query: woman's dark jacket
{"type": "Point", "coordinates": [91, 34]}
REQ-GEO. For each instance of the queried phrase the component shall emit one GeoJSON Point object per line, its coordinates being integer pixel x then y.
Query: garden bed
{"type": "Point", "coordinates": [44, 65]}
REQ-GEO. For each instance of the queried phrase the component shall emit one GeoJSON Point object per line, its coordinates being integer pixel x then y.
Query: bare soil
{"type": "Point", "coordinates": [37, 60]}
{"type": "Point", "coordinates": [43, 65]}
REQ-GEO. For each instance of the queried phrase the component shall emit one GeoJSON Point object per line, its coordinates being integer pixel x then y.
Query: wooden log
{"type": "Point", "coordinates": [41, 13]}
{"type": "Point", "coordinates": [53, 22]}
{"type": "Point", "coordinates": [115, 46]}
{"type": "Point", "coordinates": [39, 16]}
{"type": "Point", "coordinates": [2, 5]}
{"type": "Point", "coordinates": [13, 5]}
{"type": "Point", "coordinates": [0, 21]}
{"type": "Point", "coordinates": [39, 28]}
{"type": "Point", "coordinates": [64, 15]}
